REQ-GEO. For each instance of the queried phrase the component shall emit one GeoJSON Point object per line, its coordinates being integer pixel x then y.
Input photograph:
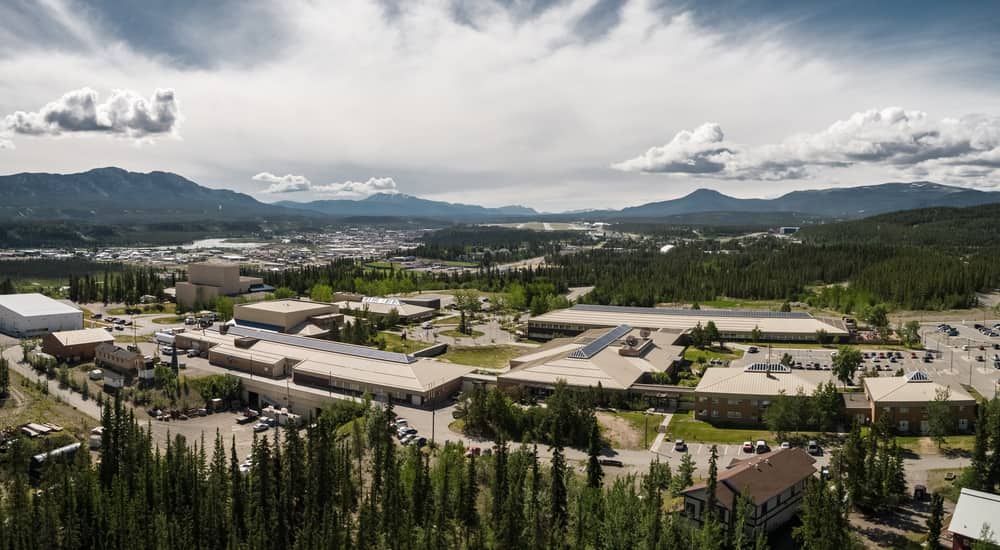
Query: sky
{"type": "Point", "coordinates": [557, 105]}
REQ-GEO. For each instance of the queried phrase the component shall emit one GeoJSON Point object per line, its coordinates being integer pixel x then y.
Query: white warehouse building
{"type": "Point", "coordinates": [24, 315]}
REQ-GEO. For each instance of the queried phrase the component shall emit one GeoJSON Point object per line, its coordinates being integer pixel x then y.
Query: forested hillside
{"type": "Point", "coordinates": [972, 227]}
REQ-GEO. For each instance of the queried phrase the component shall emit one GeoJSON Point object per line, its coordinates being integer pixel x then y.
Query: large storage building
{"type": "Point", "coordinates": [208, 280]}
{"type": "Point", "coordinates": [25, 315]}
{"type": "Point", "coordinates": [732, 324]}
{"type": "Point", "coordinates": [380, 307]}
{"type": "Point", "coordinates": [75, 345]}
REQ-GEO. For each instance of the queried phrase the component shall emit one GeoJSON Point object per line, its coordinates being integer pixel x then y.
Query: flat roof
{"type": "Point", "coordinates": [285, 306]}
{"type": "Point", "coordinates": [34, 304]}
{"type": "Point", "coordinates": [684, 319]}
{"type": "Point", "coordinates": [83, 336]}
{"type": "Point", "coordinates": [404, 310]}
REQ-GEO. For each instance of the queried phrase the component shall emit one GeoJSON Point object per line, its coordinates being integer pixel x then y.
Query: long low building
{"type": "Point", "coordinates": [302, 317]}
{"type": "Point", "coordinates": [903, 401]}
{"type": "Point", "coordinates": [612, 359]}
{"type": "Point", "coordinates": [75, 345]}
{"type": "Point", "coordinates": [381, 307]}
{"type": "Point", "coordinates": [732, 324]}
{"type": "Point", "coordinates": [26, 315]}
{"type": "Point", "coordinates": [331, 366]}
{"type": "Point", "coordinates": [732, 395]}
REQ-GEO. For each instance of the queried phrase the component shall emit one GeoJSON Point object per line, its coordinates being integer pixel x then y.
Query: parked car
{"type": "Point", "coordinates": [260, 427]}
{"type": "Point", "coordinates": [761, 447]}
{"type": "Point", "coordinates": [192, 353]}
{"type": "Point", "coordinates": [612, 462]}
{"type": "Point", "coordinates": [747, 447]}
{"type": "Point", "coordinates": [96, 374]}
{"type": "Point", "coordinates": [752, 349]}
{"type": "Point", "coordinates": [680, 446]}
{"type": "Point", "coordinates": [813, 448]}
{"type": "Point", "coordinates": [418, 441]}
{"type": "Point", "coordinates": [786, 445]}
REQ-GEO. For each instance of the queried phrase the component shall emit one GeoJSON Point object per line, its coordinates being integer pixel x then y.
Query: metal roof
{"type": "Point", "coordinates": [34, 304]}
{"type": "Point", "coordinates": [605, 340]}
{"type": "Point", "coordinates": [973, 511]}
{"type": "Point", "coordinates": [323, 345]}
{"type": "Point", "coordinates": [754, 314]}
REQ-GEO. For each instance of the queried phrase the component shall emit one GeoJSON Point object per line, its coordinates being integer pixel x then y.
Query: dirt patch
{"type": "Point", "coordinates": [619, 431]}
{"type": "Point", "coordinates": [904, 528]}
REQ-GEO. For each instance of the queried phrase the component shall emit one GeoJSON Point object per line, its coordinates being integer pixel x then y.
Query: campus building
{"type": "Point", "coordinates": [733, 325]}
{"type": "Point", "coordinates": [976, 513]}
{"type": "Point", "coordinates": [903, 400]}
{"type": "Point", "coordinates": [27, 315]}
{"type": "Point", "coordinates": [122, 366]}
{"type": "Point", "coordinates": [302, 317]}
{"type": "Point", "coordinates": [612, 359]}
{"type": "Point", "coordinates": [772, 484]}
{"type": "Point", "coordinates": [271, 357]}
{"type": "Point", "coordinates": [75, 345]}
{"type": "Point", "coordinates": [729, 395]}
{"type": "Point", "coordinates": [209, 280]}
{"type": "Point", "coordinates": [373, 307]}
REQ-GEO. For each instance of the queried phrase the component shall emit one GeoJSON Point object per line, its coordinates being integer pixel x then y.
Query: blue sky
{"type": "Point", "coordinates": [556, 105]}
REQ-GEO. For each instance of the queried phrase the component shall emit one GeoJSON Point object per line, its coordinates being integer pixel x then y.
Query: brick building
{"type": "Point", "coordinates": [75, 345]}
{"type": "Point", "coordinates": [740, 396]}
{"type": "Point", "coordinates": [905, 399]}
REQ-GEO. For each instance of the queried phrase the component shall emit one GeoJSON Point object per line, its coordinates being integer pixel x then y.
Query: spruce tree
{"type": "Point", "coordinates": [594, 472]}
{"type": "Point", "coordinates": [935, 521]}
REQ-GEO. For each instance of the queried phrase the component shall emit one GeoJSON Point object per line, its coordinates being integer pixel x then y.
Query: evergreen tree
{"type": "Point", "coordinates": [594, 472]}
{"type": "Point", "coordinates": [935, 521]}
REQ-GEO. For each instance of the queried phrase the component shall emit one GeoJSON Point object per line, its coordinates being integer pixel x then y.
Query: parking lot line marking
{"type": "Point", "coordinates": [725, 450]}
{"type": "Point", "coordinates": [700, 447]}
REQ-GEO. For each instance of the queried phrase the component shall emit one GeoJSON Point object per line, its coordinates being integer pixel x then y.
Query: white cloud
{"type": "Point", "coordinates": [494, 109]}
{"type": "Point", "coordinates": [907, 141]}
{"type": "Point", "coordinates": [290, 183]}
{"type": "Point", "coordinates": [125, 113]}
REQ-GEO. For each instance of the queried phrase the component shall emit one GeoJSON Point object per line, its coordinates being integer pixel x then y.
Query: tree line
{"type": "Point", "coordinates": [342, 485]}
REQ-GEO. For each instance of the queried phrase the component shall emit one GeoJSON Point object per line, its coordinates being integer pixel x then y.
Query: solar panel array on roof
{"type": "Point", "coordinates": [378, 300]}
{"type": "Point", "coordinates": [752, 314]}
{"type": "Point", "coordinates": [595, 347]}
{"type": "Point", "coordinates": [918, 376]}
{"type": "Point", "coordinates": [767, 367]}
{"type": "Point", "coordinates": [323, 345]}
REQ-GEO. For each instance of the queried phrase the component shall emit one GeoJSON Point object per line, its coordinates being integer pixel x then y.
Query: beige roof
{"type": "Point", "coordinates": [909, 389]}
{"type": "Point", "coordinates": [83, 336]}
{"type": "Point", "coordinates": [737, 381]}
{"type": "Point", "coordinates": [404, 310]}
{"type": "Point", "coordinates": [420, 376]}
{"type": "Point", "coordinates": [607, 367]}
{"type": "Point", "coordinates": [256, 355]}
{"type": "Point", "coordinates": [286, 306]}
{"type": "Point", "coordinates": [659, 318]}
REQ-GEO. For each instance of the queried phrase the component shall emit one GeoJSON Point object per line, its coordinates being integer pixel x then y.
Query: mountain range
{"type": "Point", "coordinates": [110, 195]}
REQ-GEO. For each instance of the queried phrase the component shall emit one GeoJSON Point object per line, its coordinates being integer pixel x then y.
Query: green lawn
{"type": "Point", "coordinates": [487, 357]}
{"type": "Point", "coordinates": [685, 426]}
{"type": "Point", "coordinates": [639, 421]}
{"type": "Point", "coordinates": [923, 445]}
{"type": "Point", "coordinates": [454, 263]}
{"type": "Point", "coordinates": [456, 334]}
{"type": "Point", "coordinates": [936, 483]}
{"type": "Point", "coordinates": [692, 354]}
{"type": "Point", "coordinates": [453, 320]}
{"type": "Point", "coordinates": [394, 343]}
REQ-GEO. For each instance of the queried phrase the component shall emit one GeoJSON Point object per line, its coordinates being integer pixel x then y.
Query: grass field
{"type": "Point", "coordinates": [487, 357]}
{"type": "Point", "coordinates": [925, 445]}
{"type": "Point", "coordinates": [146, 308]}
{"type": "Point", "coordinates": [936, 482]}
{"type": "Point", "coordinates": [456, 334]}
{"type": "Point", "coordinates": [692, 354]}
{"type": "Point", "coordinates": [641, 421]}
{"type": "Point", "coordinates": [31, 405]}
{"type": "Point", "coordinates": [685, 426]}
{"type": "Point", "coordinates": [453, 320]}
{"type": "Point", "coordinates": [394, 343]}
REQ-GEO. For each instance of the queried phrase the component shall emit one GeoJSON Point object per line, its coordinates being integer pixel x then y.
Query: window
{"type": "Point", "coordinates": [734, 414]}
{"type": "Point", "coordinates": [715, 413]}
{"type": "Point", "coordinates": [904, 425]}
{"type": "Point", "coordinates": [963, 424]}
{"type": "Point", "coordinates": [904, 410]}
{"type": "Point", "coordinates": [715, 400]}
{"type": "Point", "coordinates": [735, 401]}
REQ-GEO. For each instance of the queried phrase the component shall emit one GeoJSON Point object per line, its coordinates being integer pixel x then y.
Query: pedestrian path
{"type": "Point", "coordinates": [655, 448]}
